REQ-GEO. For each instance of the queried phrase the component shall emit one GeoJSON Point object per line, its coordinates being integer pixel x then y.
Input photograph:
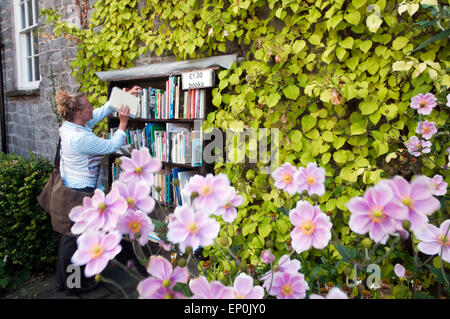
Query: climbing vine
{"type": "Point", "coordinates": [335, 77]}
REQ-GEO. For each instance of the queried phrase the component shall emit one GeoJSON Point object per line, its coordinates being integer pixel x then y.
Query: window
{"type": "Point", "coordinates": [27, 53]}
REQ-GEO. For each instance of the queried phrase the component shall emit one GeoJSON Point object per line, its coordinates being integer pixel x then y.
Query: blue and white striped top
{"type": "Point", "coordinates": [78, 154]}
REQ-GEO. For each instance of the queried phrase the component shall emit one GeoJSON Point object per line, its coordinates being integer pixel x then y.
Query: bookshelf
{"type": "Point", "coordinates": [175, 145]}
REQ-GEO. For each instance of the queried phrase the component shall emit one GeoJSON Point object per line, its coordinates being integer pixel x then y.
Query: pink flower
{"type": "Point", "coordinates": [439, 186]}
{"type": "Point", "coordinates": [203, 289]}
{"type": "Point", "coordinates": [312, 227]}
{"type": "Point", "coordinates": [137, 195]}
{"type": "Point", "coordinates": [284, 178]}
{"type": "Point", "coordinates": [334, 293]}
{"type": "Point", "coordinates": [78, 216]}
{"type": "Point", "coordinates": [376, 213]}
{"type": "Point", "coordinates": [417, 197]}
{"type": "Point", "coordinates": [284, 265]}
{"type": "Point", "coordinates": [95, 250]}
{"type": "Point", "coordinates": [191, 229]}
{"type": "Point", "coordinates": [431, 240]}
{"type": "Point", "coordinates": [289, 286]}
{"type": "Point", "coordinates": [423, 103]}
{"type": "Point", "coordinates": [311, 179]}
{"type": "Point", "coordinates": [211, 190]}
{"type": "Point", "coordinates": [135, 222]}
{"type": "Point", "coordinates": [243, 288]}
{"type": "Point", "coordinates": [140, 167]}
{"type": "Point", "coordinates": [164, 245]}
{"type": "Point", "coordinates": [104, 211]}
{"type": "Point", "coordinates": [416, 147]}
{"type": "Point", "coordinates": [399, 270]}
{"type": "Point", "coordinates": [427, 129]}
{"type": "Point", "coordinates": [267, 256]}
{"type": "Point", "coordinates": [228, 211]}
{"type": "Point", "coordinates": [151, 289]}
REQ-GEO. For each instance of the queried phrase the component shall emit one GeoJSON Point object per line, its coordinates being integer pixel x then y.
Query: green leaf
{"type": "Point", "coordinates": [308, 122]}
{"type": "Point", "coordinates": [365, 46]}
{"type": "Point", "coordinates": [264, 229]}
{"type": "Point", "coordinates": [291, 92]}
{"type": "Point", "coordinates": [272, 99]}
{"type": "Point", "coordinates": [358, 3]}
{"type": "Point", "coordinates": [368, 107]}
{"type": "Point", "coordinates": [399, 43]}
{"type": "Point", "coordinates": [249, 228]}
{"type": "Point", "coordinates": [340, 53]}
{"type": "Point", "coordinates": [437, 37]}
{"type": "Point", "coordinates": [353, 17]}
{"type": "Point", "coordinates": [347, 43]}
{"type": "Point", "coordinates": [298, 46]}
{"type": "Point", "coordinates": [340, 157]}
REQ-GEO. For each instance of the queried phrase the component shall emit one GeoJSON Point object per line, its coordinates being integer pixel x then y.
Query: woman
{"type": "Point", "coordinates": [80, 159]}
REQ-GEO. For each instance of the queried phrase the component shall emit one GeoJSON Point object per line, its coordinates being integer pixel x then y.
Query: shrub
{"type": "Point", "coordinates": [27, 241]}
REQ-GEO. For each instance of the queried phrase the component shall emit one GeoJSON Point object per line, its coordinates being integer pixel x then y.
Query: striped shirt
{"type": "Point", "coordinates": [87, 143]}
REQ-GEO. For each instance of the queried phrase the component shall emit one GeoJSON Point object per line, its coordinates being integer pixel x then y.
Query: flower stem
{"type": "Point", "coordinates": [112, 282]}
{"type": "Point", "coordinates": [132, 273]}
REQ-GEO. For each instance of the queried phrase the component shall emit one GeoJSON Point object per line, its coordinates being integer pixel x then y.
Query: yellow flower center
{"type": "Point", "coordinates": [207, 190]}
{"type": "Point", "coordinates": [377, 215]}
{"type": "Point", "coordinates": [287, 178]}
{"type": "Point", "coordinates": [408, 202]}
{"type": "Point", "coordinates": [287, 289]}
{"type": "Point", "coordinates": [101, 207]}
{"type": "Point", "coordinates": [228, 205]}
{"type": "Point", "coordinates": [441, 240]}
{"type": "Point", "coordinates": [423, 104]}
{"type": "Point", "coordinates": [307, 227]}
{"type": "Point", "coordinates": [426, 129]}
{"type": "Point", "coordinates": [311, 180]}
{"type": "Point", "coordinates": [166, 283]}
{"type": "Point", "coordinates": [193, 228]}
{"type": "Point", "coordinates": [134, 226]}
{"type": "Point", "coordinates": [138, 170]}
{"type": "Point", "coordinates": [130, 201]}
{"type": "Point", "coordinates": [96, 250]}
{"type": "Point", "coordinates": [169, 296]}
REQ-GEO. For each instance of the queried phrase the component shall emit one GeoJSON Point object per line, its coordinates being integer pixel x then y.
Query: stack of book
{"type": "Point", "coordinates": [168, 192]}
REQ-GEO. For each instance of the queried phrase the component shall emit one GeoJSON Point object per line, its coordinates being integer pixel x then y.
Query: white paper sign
{"type": "Point", "coordinates": [197, 79]}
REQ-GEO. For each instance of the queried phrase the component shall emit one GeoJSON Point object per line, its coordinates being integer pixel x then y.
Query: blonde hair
{"type": "Point", "coordinates": [68, 104]}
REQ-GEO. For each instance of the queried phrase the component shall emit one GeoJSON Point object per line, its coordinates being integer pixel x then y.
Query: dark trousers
{"type": "Point", "coordinates": [66, 249]}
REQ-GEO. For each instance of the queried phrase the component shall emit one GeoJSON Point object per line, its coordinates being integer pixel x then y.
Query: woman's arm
{"type": "Point", "coordinates": [87, 143]}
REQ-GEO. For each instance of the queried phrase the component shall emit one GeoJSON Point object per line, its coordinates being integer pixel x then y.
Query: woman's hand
{"type": "Point", "coordinates": [135, 90]}
{"type": "Point", "coordinates": [124, 115]}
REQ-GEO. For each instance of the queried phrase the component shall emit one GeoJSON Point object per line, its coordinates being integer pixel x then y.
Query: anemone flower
{"type": "Point", "coordinates": [203, 289]}
{"type": "Point", "coordinates": [136, 224]}
{"type": "Point", "coordinates": [267, 256]}
{"type": "Point", "coordinates": [312, 227]}
{"type": "Point", "coordinates": [228, 211]}
{"type": "Point", "coordinates": [243, 288]}
{"type": "Point", "coordinates": [399, 270]}
{"type": "Point", "coordinates": [284, 178]}
{"type": "Point", "coordinates": [140, 167]}
{"type": "Point", "coordinates": [417, 197]}
{"type": "Point", "coordinates": [78, 216]}
{"type": "Point", "coordinates": [377, 213]}
{"type": "Point", "coordinates": [210, 190]}
{"type": "Point", "coordinates": [432, 240]}
{"type": "Point", "coordinates": [191, 229]}
{"type": "Point", "coordinates": [105, 210]}
{"type": "Point", "coordinates": [285, 264]}
{"type": "Point", "coordinates": [423, 103]}
{"type": "Point", "coordinates": [438, 185]}
{"type": "Point", "coordinates": [416, 147]}
{"type": "Point", "coordinates": [311, 179]}
{"type": "Point", "coordinates": [289, 286]}
{"type": "Point", "coordinates": [427, 129]}
{"type": "Point", "coordinates": [137, 195]}
{"type": "Point", "coordinates": [95, 250]}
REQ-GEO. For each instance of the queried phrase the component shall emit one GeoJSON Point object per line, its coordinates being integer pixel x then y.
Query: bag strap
{"type": "Point", "coordinates": [57, 155]}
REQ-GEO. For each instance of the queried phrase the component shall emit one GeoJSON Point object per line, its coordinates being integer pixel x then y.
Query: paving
{"type": "Point", "coordinates": [46, 289]}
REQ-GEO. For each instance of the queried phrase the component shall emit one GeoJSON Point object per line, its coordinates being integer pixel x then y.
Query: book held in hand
{"type": "Point", "coordinates": [119, 97]}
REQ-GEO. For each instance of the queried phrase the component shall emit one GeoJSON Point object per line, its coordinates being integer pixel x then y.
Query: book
{"type": "Point", "coordinates": [183, 177]}
{"type": "Point", "coordinates": [119, 97]}
{"type": "Point", "coordinates": [177, 189]}
{"type": "Point", "coordinates": [196, 150]}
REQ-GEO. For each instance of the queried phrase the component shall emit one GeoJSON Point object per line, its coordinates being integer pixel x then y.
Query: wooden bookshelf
{"type": "Point", "coordinates": [140, 123]}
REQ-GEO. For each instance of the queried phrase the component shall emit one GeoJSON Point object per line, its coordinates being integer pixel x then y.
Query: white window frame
{"type": "Point", "coordinates": [24, 71]}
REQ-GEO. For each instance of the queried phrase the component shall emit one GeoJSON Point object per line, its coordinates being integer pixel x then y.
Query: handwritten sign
{"type": "Point", "coordinates": [197, 79]}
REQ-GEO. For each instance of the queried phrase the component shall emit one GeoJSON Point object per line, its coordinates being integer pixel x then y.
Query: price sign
{"type": "Point", "coordinates": [197, 79]}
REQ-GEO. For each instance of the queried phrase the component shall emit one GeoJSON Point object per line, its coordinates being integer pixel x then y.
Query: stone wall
{"type": "Point", "coordinates": [31, 123]}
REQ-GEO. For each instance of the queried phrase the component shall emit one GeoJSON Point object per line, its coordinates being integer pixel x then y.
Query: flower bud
{"type": "Point", "coordinates": [270, 244]}
{"type": "Point", "coordinates": [213, 259]}
{"type": "Point", "coordinates": [182, 262]}
{"type": "Point", "coordinates": [194, 195]}
{"type": "Point", "coordinates": [305, 193]}
{"type": "Point", "coordinates": [243, 266]}
{"type": "Point", "coordinates": [223, 241]}
{"type": "Point", "coordinates": [366, 242]}
{"type": "Point", "coordinates": [158, 189]}
{"type": "Point", "coordinates": [406, 224]}
{"type": "Point", "coordinates": [348, 271]}
{"type": "Point", "coordinates": [176, 182]}
{"type": "Point", "coordinates": [118, 161]}
{"type": "Point", "coordinates": [98, 278]}
{"type": "Point", "coordinates": [137, 235]}
{"type": "Point", "coordinates": [188, 250]}
{"type": "Point", "coordinates": [314, 197]}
